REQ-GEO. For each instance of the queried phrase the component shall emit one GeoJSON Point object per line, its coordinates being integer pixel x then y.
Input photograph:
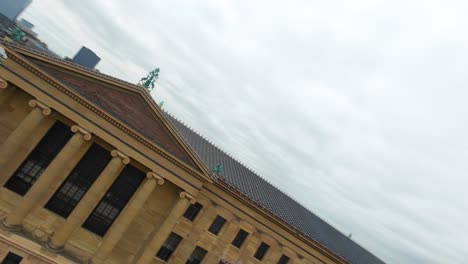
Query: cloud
{"type": "Point", "coordinates": [355, 109]}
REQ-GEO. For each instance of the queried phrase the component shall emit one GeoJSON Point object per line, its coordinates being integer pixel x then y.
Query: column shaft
{"type": "Point", "coordinates": [20, 136]}
{"type": "Point", "coordinates": [56, 167]}
{"type": "Point", "coordinates": [165, 229]}
{"type": "Point", "coordinates": [90, 200]}
{"type": "Point", "coordinates": [124, 220]}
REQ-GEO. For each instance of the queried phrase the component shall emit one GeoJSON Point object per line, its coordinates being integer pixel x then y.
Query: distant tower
{"type": "Point", "coordinates": [86, 58]}
{"type": "Point", "coordinates": [13, 8]}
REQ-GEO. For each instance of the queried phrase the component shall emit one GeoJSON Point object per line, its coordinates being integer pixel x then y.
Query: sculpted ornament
{"type": "Point", "coordinates": [187, 196]}
{"type": "Point", "coordinates": [3, 84]}
{"type": "Point", "coordinates": [86, 135]}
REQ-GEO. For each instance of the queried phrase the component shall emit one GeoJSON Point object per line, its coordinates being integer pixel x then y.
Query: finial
{"type": "Point", "coordinates": [218, 169]}
{"type": "Point", "coordinates": [161, 104]}
{"type": "Point", "coordinates": [148, 81]}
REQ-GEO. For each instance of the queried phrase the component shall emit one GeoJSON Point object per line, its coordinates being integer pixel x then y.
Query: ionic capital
{"type": "Point", "coordinates": [152, 175]}
{"type": "Point", "coordinates": [77, 129]}
{"type": "Point", "coordinates": [3, 84]}
{"type": "Point", "coordinates": [184, 195]}
{"type": "Point", "coordinates": [43, 107]}
{"type": "Point", "coordinates": [124, 158]}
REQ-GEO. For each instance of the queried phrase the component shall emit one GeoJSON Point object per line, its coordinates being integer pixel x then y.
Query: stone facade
{"type": "Point", "coordinates": [31, 101]}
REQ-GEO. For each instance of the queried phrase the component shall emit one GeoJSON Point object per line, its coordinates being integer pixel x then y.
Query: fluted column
{"type": "Point", "coordinates": [20, 136]}
{"type": "Point", "coordinates": [125, 218]}
{"type": "Point", "coordinates": [166, 228]}
{"type": "Point", "coordinates": [89, 200]}
{"type": "Point", "coordinates": [75, 145]}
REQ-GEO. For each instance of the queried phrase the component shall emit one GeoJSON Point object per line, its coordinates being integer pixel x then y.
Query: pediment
{"type": "Point", "coordinates": [130, 105]}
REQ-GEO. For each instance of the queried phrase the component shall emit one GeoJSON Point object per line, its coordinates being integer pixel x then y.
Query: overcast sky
{"type": "Point", "coordinates": [357, 109]}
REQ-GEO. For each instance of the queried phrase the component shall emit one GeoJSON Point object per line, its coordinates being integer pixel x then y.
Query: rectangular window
{"type": "Point", "coordinates": [193, 211]}
{"type": "Point", "coordinates": [12, 258]}
{"type": "Point", "coordinates": [169, 246]}
{"type": "Point", "coordinates": [261, 251]}
{"type": "Point", "coordinates": [197, 256]}
{"type": "Point", "coordinates": [283, 260]}
{"type": "Point", "coordinates": [79, 181]}
{"type": "Point", "coordinates": [114, 200]}
{"type": "Point", "coordinates": [240, 238]}
{"type": "Point", "coordinates": [41, 156]}
{"type": "Point", "coordinates": [217, 224]}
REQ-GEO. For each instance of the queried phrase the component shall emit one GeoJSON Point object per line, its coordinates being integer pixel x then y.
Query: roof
{"type": "Point", "coordinates": [268, 196]}
{"type": "Point", "coordinates": [235, 174]}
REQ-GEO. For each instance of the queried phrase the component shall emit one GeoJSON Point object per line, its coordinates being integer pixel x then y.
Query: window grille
{"type": "Point", "coordinates": [261, 251]}
{"type": "Point", "coordinates": [113, 202]}
{"type": "Point", "coordinates": [79, 181]}
{"type": "Point", "coordinates": [38, 160]}
{"type": "Point", "coordinates": [283, 260]}
{"type": "Point", "coordinates": [240, 238]}
{"type": "Point", "coordinates": [197, 256]}
{"type": "Point", "coordinates": [193, 211]}
{"type": "Point", "coordinates": [169, 246]}
{"type": "Point", "coordinates": [12, 258]}
{"type": "Point", "coordinates": [217, 225]}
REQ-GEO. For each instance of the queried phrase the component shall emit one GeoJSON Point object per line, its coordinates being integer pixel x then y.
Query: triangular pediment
{"type": "Point", "coordinates": [129, 104]}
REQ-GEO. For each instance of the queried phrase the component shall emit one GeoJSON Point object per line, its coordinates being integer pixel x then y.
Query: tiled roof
{"type": "Point", "coordinates": [266, 195]}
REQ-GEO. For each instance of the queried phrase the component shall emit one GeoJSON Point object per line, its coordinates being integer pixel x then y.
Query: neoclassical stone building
{"type": "Point", "coordinates": [93, 171]}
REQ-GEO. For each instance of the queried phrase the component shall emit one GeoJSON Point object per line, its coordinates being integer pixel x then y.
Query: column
{"type": "Point", "coordinates": [19, 138]}
{"type": "Point", "coordinates": [76, 144]}
{"type": "Point", "coordinates": [89, 200]}
{"type": "Point", "coordinates": [124, 220]}
{"type": "Point", "coordinates": [166, 228]}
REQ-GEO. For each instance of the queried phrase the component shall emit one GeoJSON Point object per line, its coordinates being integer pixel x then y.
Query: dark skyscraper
{"type": "Point", "coordinates": [86, 57]}
{"type": "Point", "coordinates": [13, 8]}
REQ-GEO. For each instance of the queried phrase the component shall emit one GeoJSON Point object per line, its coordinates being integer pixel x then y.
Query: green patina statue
{"type": "Point", "coordinates": [218, 169]}
{"type": "Point", "coordinates": [148, 81]}
{"type": "Point", "coordinates": [17, 35]}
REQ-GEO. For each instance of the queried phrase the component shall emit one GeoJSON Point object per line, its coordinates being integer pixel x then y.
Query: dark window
{"type": "Point", "coordinates": [217, 225]}
{"type": "Point", "coordinates": [79, 181]}
{"type": "Point", "coordinates": [41, 156]}
{"type": "Point", "coordinates": [261, 251]}
{"type": "Point", "coordinates": [169, 246]}
{"type": "Point", "coordinates": [197, 256]}
{"type": "Point", "coordinates": [12, 258]}
{"type": "Point", "coordinates": [283, 260]}
{"type": "Point", "coordinates": [240, 238]}
{"type": "Point", "coordinates": [193, 211]}
{"type": "Point", "coordinates": [114, 200]}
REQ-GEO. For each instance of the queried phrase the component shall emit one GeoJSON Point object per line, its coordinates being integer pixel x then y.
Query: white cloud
{"type": "Point", "coordinates": [359, 105]}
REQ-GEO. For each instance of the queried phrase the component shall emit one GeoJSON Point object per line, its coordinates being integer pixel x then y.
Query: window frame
{"type": "Point", "coordinates": [217, 225]}
{"type": "Point", "coordinates": [166, 250]}
{"type": "Point", "coordinates": [201, 253]}
{"type": "Point", "coordinates": [241, 237]}
{"type": "Point", "coordinates": [193, 211]}
{"type": "Point", "coordinates": [262, 251]}
{"type": "Point", "coordinates": [12, 258]}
